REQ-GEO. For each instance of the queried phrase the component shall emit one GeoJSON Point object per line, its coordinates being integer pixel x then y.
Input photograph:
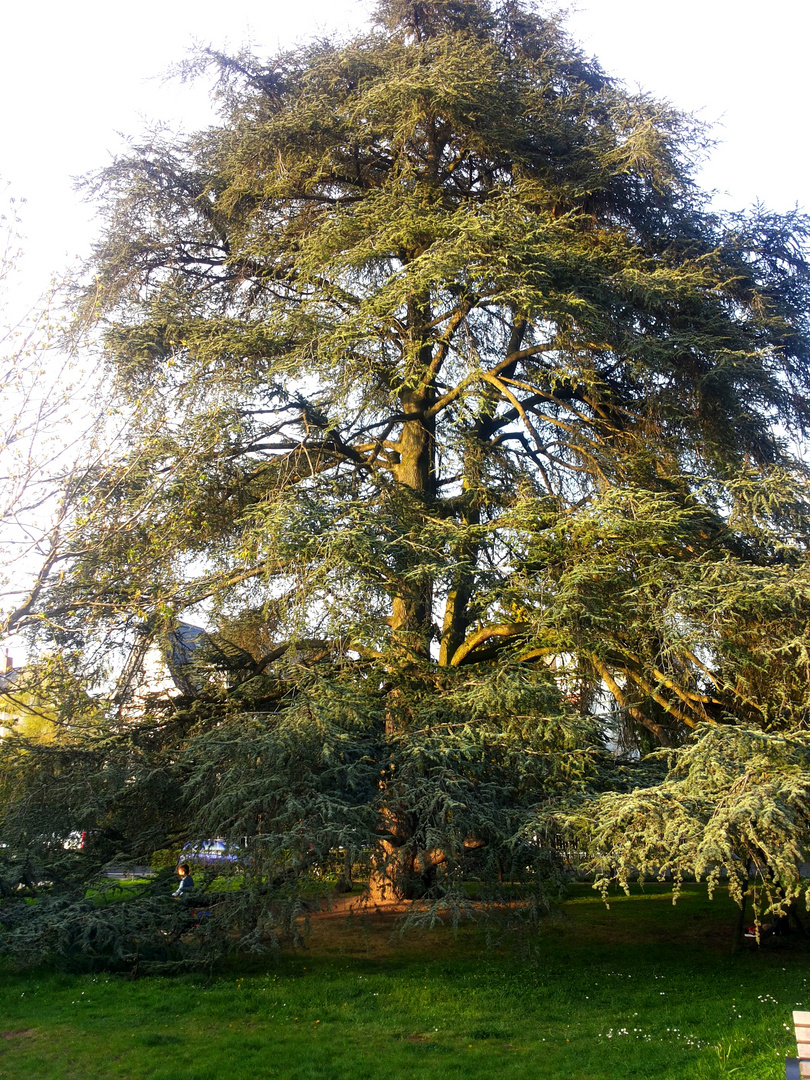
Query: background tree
{"type": "Point", "coordinates": [467, 422]}
{"type": "Point", "coordinates": [49, 439]}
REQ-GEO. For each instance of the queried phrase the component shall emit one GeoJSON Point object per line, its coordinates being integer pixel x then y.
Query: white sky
{"type": "Point", "coordinates": [74, 75]}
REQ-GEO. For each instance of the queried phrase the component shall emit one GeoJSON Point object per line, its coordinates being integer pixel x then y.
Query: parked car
{"type": "Point", "coordinates": [78, 840]}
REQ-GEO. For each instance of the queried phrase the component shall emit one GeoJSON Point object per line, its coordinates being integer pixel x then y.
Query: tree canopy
{"type": "Point", "coordinates": [475, 433]}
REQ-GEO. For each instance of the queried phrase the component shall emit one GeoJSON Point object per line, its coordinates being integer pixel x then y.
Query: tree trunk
{"type": "Point", "coordinates": [412, 612]}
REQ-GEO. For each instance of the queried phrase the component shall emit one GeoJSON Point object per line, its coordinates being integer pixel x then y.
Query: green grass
{"type": "Point", "coordinates": [645, 989]}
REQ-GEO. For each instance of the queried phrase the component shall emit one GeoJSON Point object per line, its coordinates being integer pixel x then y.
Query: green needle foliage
{"type": "Point", "coordinates": [473, 431]}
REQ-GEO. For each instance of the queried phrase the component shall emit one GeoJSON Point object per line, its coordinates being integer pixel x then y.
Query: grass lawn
{"type": "Point", "coordinates": [644, 989]}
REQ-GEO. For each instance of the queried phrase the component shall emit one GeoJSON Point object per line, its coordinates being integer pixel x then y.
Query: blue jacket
{"type": "Point", "coordinates": [185, 886]}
